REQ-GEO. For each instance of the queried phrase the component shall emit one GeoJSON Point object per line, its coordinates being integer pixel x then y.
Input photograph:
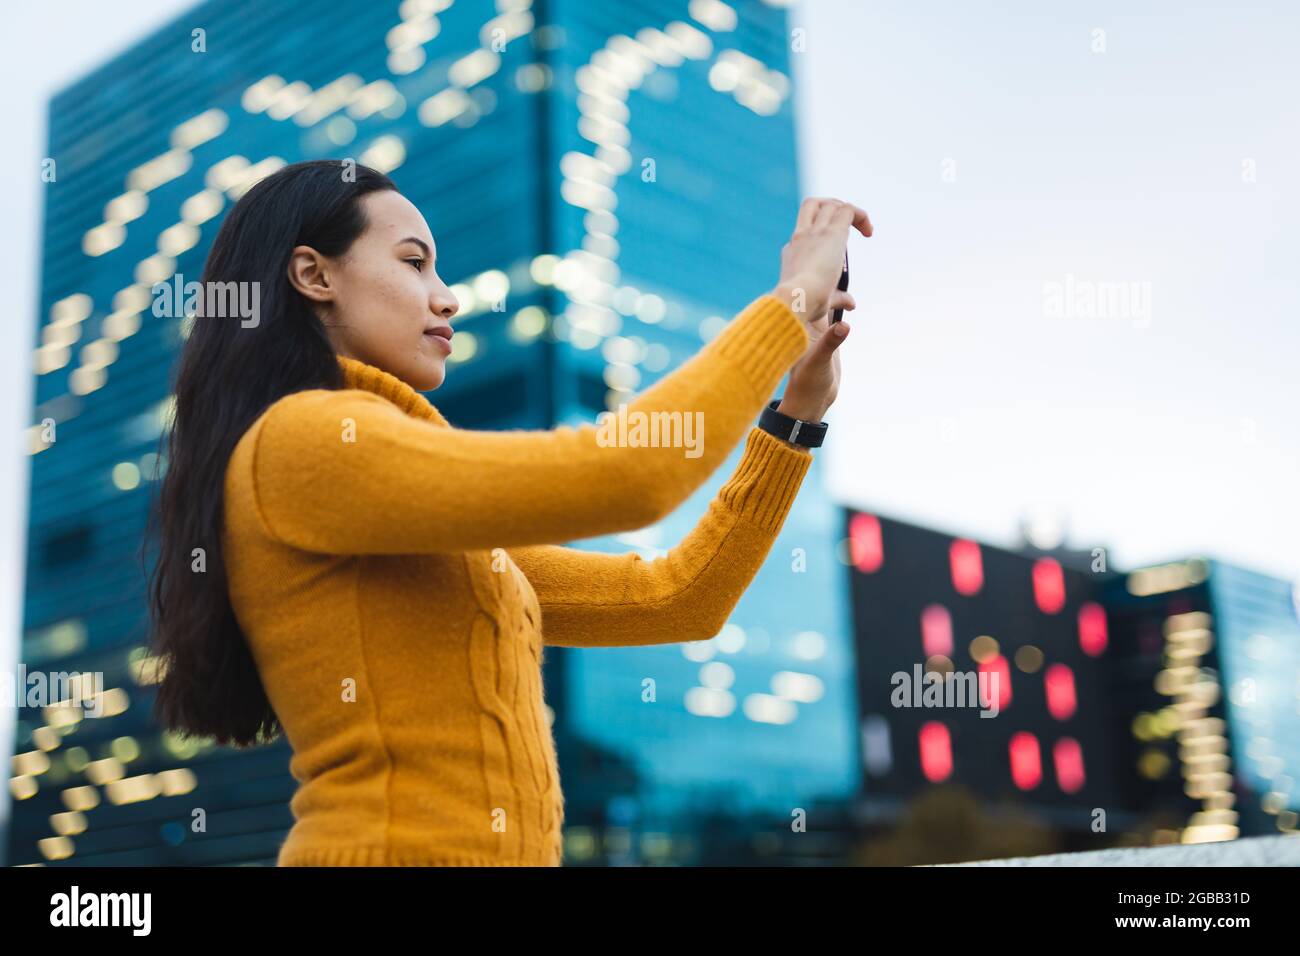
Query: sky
{"type": "Point", "coordinates": [1006, 159]}
{"type": "Point", "coordinates": [1081, 302]}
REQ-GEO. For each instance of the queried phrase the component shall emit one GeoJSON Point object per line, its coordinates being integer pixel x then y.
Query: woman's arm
{"type": "Point", "coordinates": [591, 599]}
{"type": "Point", "coordinates": [346, 472]}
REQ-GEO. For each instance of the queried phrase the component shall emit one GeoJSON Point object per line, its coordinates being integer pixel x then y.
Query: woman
{"type": "Point", "coordinates": [338, 562]}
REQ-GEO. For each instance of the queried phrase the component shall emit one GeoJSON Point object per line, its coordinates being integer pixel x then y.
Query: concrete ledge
{"type": "Point", "coordinates": [1250, 851]}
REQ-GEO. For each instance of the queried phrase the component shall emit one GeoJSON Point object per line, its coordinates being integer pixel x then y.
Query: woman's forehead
{"type": "Point", "coordinates": [393, 217]}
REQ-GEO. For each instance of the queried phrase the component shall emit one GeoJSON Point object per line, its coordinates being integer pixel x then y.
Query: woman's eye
{"type": "Point", "coordinates": [418, 263]}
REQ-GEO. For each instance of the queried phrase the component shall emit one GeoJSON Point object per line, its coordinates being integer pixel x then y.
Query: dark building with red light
{"type": "Point", "coordinates": [1118, 707]}
{"type": "Point", "coordinates": [1026, 631]}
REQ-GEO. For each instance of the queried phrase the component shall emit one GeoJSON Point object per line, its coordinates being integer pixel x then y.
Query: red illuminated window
{"type": "Point", "coordinates": [936, 751]}
{"type": "Point", "coordinates": [998, 682]}
{"type": "Point", "coordinates": [1059, 683]}
{"type": "Point", "coordinates": [1092, 629]}
{"type": "Point", "coordinates": [936, 631]}
{"type": "Point", "coordinates": [865, 543]}
{"type": "Point", "coordinates": [1067, 756]}
{"type": "Point", "coordinates": [967, 566]}
{"type": "Point", "coordinates": [1049, 585]}
{"type": "Point", "coordinates": [1026, 761]}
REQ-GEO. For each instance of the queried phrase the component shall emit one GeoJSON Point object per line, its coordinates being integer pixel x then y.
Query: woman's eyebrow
{"type": "Point", "coordinates": [419, 242]}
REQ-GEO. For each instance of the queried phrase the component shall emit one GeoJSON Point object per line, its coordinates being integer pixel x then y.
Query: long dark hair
{"type": "Point", "coordinates": [228, 374]}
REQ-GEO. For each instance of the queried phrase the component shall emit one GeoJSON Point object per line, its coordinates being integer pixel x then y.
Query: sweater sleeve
{"type": "Point", "coordinates": [592, 599]}
{"type": "Point", "coordinates": [346, 472]}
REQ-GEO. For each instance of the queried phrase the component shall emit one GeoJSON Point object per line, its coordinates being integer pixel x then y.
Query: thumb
{"type": "Point", "coordinates": [832, 338]}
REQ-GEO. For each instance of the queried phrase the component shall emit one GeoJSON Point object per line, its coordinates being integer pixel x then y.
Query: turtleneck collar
{"type": "Point", "coordinates": [358, 374]}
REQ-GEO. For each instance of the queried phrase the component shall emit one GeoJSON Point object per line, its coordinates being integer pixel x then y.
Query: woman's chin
{"type": "Point", "coordinates": [429, 375]}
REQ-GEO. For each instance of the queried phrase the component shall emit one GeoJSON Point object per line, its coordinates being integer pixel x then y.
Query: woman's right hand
{"type": "Point", "coordinates": [813, 259]}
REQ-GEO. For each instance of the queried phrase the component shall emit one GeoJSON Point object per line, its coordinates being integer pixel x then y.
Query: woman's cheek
{"type": "Point", "coordinates": [409, 297]}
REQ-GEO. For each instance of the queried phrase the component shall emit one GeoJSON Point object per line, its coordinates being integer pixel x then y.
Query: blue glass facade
{"type": "Point", "coordinates": [606, 183]}
{"type": "Point", "coordinates": [691, 229]}
{"type": "Point", "coordinates": [1257, 621]}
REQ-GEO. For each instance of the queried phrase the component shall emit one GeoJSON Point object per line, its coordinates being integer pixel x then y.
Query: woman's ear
{"type": "Point", "coordinates": [309, 273]}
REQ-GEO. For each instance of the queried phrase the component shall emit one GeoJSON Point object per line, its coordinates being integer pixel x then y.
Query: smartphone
{"type": "Point", "coordinates": [837, 314]}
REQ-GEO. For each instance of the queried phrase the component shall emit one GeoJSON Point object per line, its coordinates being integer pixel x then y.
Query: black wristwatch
{"type": "Point", "coordinates": [794, 430]}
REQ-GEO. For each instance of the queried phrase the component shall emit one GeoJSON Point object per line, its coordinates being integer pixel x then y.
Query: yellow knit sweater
{"type": "Point", "coordinates": [397, 579]}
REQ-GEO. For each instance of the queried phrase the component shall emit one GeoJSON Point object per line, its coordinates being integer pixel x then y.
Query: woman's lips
{"type": "Point", "coordinates": [441, 337]}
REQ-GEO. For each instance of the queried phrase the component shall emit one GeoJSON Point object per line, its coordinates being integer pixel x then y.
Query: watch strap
{"type": "Point", "coordinates": [794, 430]}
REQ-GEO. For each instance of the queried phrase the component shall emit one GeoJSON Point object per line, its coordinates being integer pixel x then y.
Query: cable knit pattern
{"type": "Point", "coordinates": [398, 580]}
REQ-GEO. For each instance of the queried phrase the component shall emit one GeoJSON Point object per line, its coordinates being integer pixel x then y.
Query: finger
{"type": "Point", "coordinates": [861, 221]}
{"type": "Point", "coordinates": [837, 300]}
{"type": "Point", "coordinates": [826, 212]}
{"type": "Point", "coordinates": [841, 300]}
{"type": "Point", "coordinates": [833, 339]}
{"type": "Point", "coordinates": [807, 212]}
{"type": "Point", "coordinates": [847, 214]}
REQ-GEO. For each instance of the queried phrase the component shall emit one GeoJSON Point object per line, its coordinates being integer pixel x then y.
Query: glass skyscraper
{"type": "Point", "coordinates": [607, 184]}
{"type": "Point", "coordinates": [1258, 633]}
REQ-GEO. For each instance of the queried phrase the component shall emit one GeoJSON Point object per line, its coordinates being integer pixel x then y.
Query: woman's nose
{"type": "Point", "coordinates": [445, 304]}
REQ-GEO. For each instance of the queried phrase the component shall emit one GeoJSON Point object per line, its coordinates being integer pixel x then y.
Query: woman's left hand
{"type": "Point", "coordinates": [815, 377]}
